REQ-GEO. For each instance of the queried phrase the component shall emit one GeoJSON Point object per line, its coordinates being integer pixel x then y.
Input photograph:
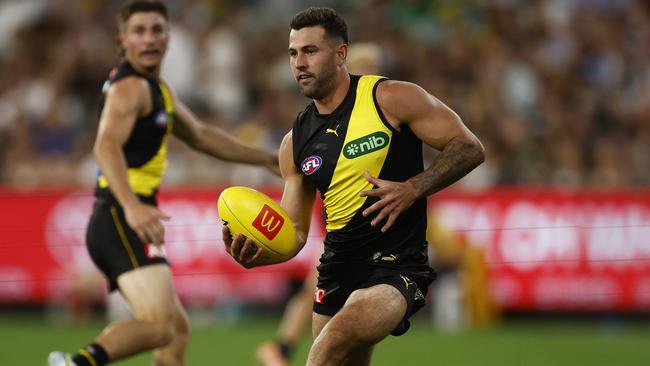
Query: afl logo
{"type": "Point", "coordinates": [161, 119]}
{"type": "Point", "coordinates": [311, 164]}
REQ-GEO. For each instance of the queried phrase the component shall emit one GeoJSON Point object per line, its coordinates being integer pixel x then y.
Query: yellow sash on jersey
{"type": "Point", "coordinates": [365, 148]}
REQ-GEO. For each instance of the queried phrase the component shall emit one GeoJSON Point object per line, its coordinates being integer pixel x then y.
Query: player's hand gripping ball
{"type": "Point", "coordinates": [258, 217]}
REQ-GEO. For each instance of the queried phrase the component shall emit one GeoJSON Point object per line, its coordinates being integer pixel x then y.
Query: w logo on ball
{"type": "Point", "coordinates": [268, 222]}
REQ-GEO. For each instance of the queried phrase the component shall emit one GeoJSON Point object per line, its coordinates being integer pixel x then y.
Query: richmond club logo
{"type": "Point", "coordinates": [319, 295]}
{"type": "Point", "coordinates": [268, 222]}
{"type": "Point", "coordinates": [155, 251]}
{"type": "Point", "coordinates": [311, 164]}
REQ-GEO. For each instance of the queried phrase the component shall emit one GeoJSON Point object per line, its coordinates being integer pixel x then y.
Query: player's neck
{"type": "Point", "coordinates": [329, 103]}
{"type": "Point", "coordinates": [149, 71]}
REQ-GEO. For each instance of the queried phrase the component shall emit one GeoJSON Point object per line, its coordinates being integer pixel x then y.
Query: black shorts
{"type": "Point", "coordinates": [333, 291]}
{"type": "Point", "coordinates": [113, 246]}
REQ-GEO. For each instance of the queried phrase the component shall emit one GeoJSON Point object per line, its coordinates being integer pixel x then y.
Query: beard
{"type": "Point", "coordinates": [321, 86]}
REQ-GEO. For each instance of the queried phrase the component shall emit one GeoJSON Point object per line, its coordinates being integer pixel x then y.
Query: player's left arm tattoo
{"type": "Point", "coordinates": [456, 159]}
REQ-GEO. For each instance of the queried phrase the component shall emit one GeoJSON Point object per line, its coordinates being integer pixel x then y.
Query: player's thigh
{"type": "Point", "coordinates": [318, 322]}
{"type": "Point", "coordinates": [150, 292]}
{"type": "Point", "coordinates": [370, 314]}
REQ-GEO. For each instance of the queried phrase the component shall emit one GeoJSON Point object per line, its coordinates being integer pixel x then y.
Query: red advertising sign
{"type": "Point", "coordinates": [43, 253]}
{"type": "Point", "coordinates": [545, 249]}
{"type": "Point", "coordinates": [555, 250]}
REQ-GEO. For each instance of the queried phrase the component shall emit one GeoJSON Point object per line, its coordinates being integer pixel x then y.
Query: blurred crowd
{"type": "Point", "coordinates": [557, 90]}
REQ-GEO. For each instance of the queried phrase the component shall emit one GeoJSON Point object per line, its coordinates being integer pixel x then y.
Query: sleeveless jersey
{"type": "Point", "coordinates": [146, 148]}
{"type": "Point", "coordinates": [333, 151]}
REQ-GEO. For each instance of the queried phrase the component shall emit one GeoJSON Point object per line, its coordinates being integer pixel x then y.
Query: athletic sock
{"type": "Point", "coordinates": [285, 349]}
{"type": "Point", "coordinates": [91, 355]}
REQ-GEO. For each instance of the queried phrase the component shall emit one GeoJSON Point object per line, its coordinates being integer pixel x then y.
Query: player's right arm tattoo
{"type": "Point", "coordinates": [456, 160]}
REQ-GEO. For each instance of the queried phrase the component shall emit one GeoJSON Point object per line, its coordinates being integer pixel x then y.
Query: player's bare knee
{"type": "Point", "coordinates": [337, 339]}
{"type": "Point", "coordinates": [158, 362]}
{"type": "Point", "coordinates": [329, 348]}
{"type": "Point", "coordinates": [164, 329]}
{"type": "Point", "coordinates": [182, 331]}
{"type": "Point", "coordinates": [183, 327]}
{"type": "Point", "coordinates": [164, 334]}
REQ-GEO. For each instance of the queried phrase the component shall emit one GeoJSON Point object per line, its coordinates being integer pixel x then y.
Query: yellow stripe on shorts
{"type": "Point", "coordinates": [125, 240]}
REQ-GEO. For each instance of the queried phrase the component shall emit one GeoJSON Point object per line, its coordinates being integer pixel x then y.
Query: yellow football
{"type": "Point", "coordinates": [259, 218]}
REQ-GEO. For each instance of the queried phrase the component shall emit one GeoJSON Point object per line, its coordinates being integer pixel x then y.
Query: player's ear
{"type": "Point", "coordinates": [341, 54]}
{"type": "Point", "coordinates": [119, 41]}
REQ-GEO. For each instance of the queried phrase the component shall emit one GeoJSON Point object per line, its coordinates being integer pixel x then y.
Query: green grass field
{"type": "Point", "coordinates": [26, 340]}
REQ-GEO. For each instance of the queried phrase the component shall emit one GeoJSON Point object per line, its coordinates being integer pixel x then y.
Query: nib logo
{"type": "Point", "coordinates": [268, 222]}
{"type": "Point", "coordinates": [366, 144]}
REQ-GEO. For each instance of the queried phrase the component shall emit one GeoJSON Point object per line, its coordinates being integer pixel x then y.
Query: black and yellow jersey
{"type": "Point", "coordinates": [146, 148]}
{"type": "Point", "coordinates": [333, 151]}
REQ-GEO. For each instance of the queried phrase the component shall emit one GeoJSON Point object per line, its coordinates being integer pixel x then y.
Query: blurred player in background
{"type": "Point", "coordinates": [125, 234]}
{"type": "Point", "coordinates": [460, 295]}
{"type": "Point", "coordinates": [360, 144]}
{"type": "Point", "coordinates": [363, 59]}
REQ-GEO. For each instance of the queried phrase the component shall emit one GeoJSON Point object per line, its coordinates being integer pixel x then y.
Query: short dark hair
{"type": "Point", "coordinates": [140, 6]}
{"type": "Point", "coordinates": [327, 18]}
{"type": "Point", "coordinates": [137, 6]}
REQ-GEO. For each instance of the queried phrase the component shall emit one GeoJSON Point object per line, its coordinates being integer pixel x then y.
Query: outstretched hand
{"type": "Point", "coordinates": [394, 198]}
{"type": "Point", "coordinates": [242, 249]}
